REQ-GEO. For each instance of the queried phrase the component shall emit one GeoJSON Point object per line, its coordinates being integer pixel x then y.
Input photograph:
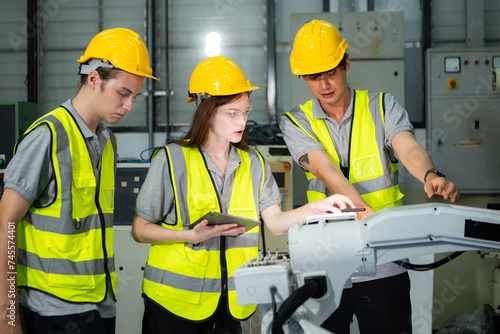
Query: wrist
{"type": "Point", "coordinates": [189, 236]}
{"type": "Point", "coordinates": [432, 171]}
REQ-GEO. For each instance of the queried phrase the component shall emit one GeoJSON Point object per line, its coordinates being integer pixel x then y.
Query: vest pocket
{"type": "Point", "coordinates": [201, 204]}
{"type": "Point", "coordinates": [84, 179]}
{"type": "Point", "coordinates": [108, 197]}
{"type": "Point", "coordinates": [84, 190]}
{"type": "Point", "coordinates": [70, 265]}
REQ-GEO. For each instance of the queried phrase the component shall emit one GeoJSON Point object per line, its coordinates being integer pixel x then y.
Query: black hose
{"type": "Point", "coordinates": [429, 266]}
{"type": "Point", "coordinates": [292, 303]}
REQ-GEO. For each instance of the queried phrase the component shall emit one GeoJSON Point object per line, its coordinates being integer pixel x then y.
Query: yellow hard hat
{"type": "Point", "coordinates": [318, 47]}
{"type": "Point", "coordinates": [120, 48]}
{"type": "Point", "coordinates": [217, 76]}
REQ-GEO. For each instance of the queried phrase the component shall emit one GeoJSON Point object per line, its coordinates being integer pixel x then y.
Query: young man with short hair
{"type": "Point", "coordinates": [57, 207]}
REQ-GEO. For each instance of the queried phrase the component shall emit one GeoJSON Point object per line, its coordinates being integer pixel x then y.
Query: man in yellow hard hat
{"type": "Point", "coordinates": [345, 140]}
{"type": "Point", "coordinates": [56, 213]}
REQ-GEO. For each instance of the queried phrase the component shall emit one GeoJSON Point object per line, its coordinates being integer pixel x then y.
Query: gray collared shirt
{"type": "Point", "coordinates": [156, 197]}
{"type": "Point", "coordinates": [299, 143]}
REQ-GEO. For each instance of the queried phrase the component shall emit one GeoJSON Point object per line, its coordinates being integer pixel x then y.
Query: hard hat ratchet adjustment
{"type": "Point", "coordinates": [199, 97]}
{"type": "Point", "coordinates": [93, 64]}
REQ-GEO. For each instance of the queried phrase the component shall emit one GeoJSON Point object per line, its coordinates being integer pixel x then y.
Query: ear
{"type": "Point", "coordinates": [93, 79]}
{"type": "Point", "coordinates": [347, 63]}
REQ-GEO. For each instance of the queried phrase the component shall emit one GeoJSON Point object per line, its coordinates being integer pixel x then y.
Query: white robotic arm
{"type": "Point", "coordinates": [331, 249]}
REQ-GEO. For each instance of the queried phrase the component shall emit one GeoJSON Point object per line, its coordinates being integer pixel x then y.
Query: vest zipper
{"type": "Point", "coordinates": [346, 169]}
{"type": "Point", "coordinates": [223, 264]}
{"type": "Point", "coordinates": [104, 250]}
{"type": "Point", "coordinates": [223, 261]}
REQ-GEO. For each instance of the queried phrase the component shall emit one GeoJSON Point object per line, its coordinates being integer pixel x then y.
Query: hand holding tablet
{"type": "Point", "coordinates": [216, 218]}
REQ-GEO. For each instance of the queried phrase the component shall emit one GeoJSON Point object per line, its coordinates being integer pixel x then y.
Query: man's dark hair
{"type": "Point", "coordinates": [105, 73]}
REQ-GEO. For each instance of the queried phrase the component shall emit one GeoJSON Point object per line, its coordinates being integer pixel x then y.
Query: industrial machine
{"type": "Point", "coordinates": [130, 256]}
{"type": "Point", "coordinates": [298, 293]}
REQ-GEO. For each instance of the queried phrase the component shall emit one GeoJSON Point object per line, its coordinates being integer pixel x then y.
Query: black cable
{"type": "Point", "coordinates": [429, 266]}
{"type": "Point", "coordinates": [263, 238]}
{"type": "Point", "coordinates": [290, 305]}
{"type": "Point", "coordinates": [273, 298]}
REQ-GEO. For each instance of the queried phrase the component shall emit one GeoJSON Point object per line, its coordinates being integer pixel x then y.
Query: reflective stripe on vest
{"type": "Point", "coordinates": [187, 279]}
{"type": "Point", "coordinates": [371, 171]}
{"type": "Point", "coordinates": [66, 246]}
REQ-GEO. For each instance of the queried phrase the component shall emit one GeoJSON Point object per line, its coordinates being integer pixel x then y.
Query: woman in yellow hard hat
{"type": "Point", "coordinates": [188, 281]}
{"type": "Point", "coordinates": [59, 192]}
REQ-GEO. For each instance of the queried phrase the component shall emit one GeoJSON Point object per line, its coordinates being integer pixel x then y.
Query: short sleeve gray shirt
{"type": "Point", "coordinates": [156, 199]}
{"type": "Point", "coordinates": [299, 143]}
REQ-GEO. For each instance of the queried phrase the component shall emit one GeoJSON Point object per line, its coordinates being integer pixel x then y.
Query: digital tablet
{"type": "Point", "coordinates": [215, 218]}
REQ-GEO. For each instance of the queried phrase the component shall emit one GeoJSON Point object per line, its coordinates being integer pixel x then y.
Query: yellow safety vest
{"type": "Point", "coordinates": [66, 246]}
{"type": "Point", "coordinates": [371, 170]}
{"type": "Point", "coordinates": [188, 279]}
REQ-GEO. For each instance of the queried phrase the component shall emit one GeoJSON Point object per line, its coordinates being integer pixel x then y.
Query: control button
{"type": "Point", "coordinates": [452, 83]}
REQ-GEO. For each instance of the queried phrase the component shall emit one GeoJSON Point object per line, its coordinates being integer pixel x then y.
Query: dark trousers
{"type": "Point", "coordinates": [157, 320]}
{"type": "Point", "coordinates": [381, 306]}
{"type": "Point", "coordinates": [82, 323]}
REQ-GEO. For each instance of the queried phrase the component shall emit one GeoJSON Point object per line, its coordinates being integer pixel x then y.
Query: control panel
{"type": "Point", "coordinates": [255, 279]}
{"type": "Point", "coordinates": [462, 98]}
{"type": "Point", "coordinates": [129, 179]}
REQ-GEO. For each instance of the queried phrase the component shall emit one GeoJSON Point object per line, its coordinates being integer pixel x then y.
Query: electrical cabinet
{"type": "Point", "coordinates": [281, 163]}
{"type": "Point", "coordinates": [16, 117]}
{"type": "Point", "coordinates": [463, 116]}
{"type": "Point", "coordinates": [129, 179]}
{"type": "Point", "coordinates": [130, 261]}
{"type": "Point", "coordinates": [130, 256]}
